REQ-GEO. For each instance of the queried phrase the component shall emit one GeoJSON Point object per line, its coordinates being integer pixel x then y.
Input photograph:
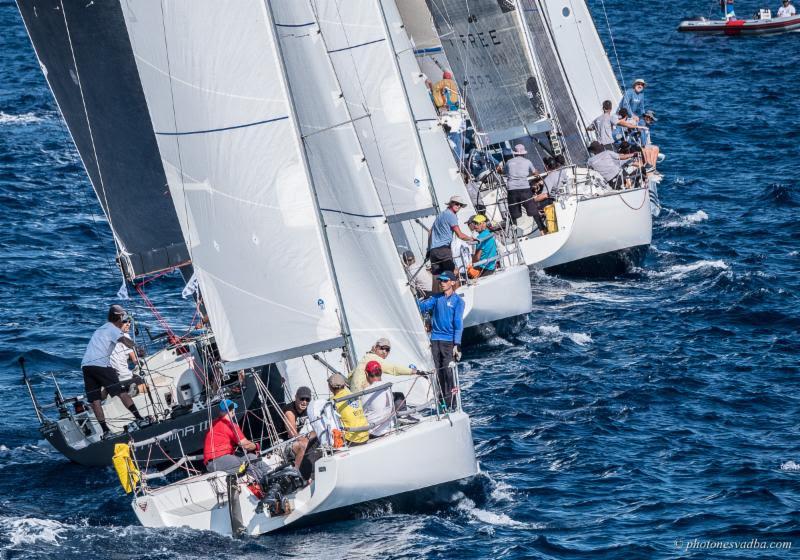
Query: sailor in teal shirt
{"type": "Point", "coordinates": [485, 257]}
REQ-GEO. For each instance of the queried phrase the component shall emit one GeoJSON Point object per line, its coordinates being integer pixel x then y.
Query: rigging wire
{"type": "Point", "coordinates": [613, 43]}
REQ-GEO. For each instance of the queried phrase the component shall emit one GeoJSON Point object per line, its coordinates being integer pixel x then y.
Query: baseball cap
{"type": "Point", "coordinates": [650, 113]}
{"type": "Point", "coordinates": [639, 81]}
{"type": "Point", "coordinates": [447, 275]}
{"type": "Point", "coordinates": [373, 367]}
{"type": "Point", "coordinates": [117, 313]}
{"type": "Point", "coordinates": [303, 393]}
{"type": "Point", "coordinates": [226, 404]}
{"type": "Point", "coordinates": [337, 380]}
{"type": "Point", "coordinates": [478, 219]}
{"type": "Point", "coordinates": [519, 150]}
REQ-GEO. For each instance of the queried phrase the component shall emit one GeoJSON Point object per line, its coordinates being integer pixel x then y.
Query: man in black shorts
{"type": "Point", "coordinates": [303, 447]}
{"type": "Point", "coordinates": [97, 369]}
{"type": "Point", "coordinates": [441, 235]}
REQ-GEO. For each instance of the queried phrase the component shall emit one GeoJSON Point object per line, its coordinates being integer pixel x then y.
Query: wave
{"type": "Point", "coordinates": [554, 332]}
{"type": "Point", "coordinates": [26, 118]}
{"type": "Point", "coordinates": [790, 466]}
{"type": "Point", "coordinates": [679, 271]}
{"type": "Point", "coordinates": [30, 530]}
{"type": "Point", "coordinates": [675, 220]}
{"type": "Point", "coordinates": [469, 507]}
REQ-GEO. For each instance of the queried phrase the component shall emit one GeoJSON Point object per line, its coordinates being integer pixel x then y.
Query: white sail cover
{"type": "Point", "coordinates": [210, 74]}
{"type": "Point", "coordinates": [373, 287]}
{"type": "Point", "coordinates": [582, 55]}
{"type": "Point", "coordinates": [356, 42]}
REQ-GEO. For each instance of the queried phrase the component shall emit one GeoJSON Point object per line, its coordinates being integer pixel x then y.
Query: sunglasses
{"type": "Point", "coordinates": [374, 374]}
{"type": "Point", "coordinates": [305, 399]}
{"type": "Point", "coordinates": [387, 348]}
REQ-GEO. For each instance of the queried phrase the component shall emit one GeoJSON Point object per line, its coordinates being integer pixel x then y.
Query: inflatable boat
{"type": "Point", "coordinates": [760, 26]}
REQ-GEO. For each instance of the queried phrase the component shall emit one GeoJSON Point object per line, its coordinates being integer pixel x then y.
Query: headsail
{"type": "Point", "coordinates": [85, 55]}
{"type": "Point", "coordinates": [372, 283]}
{"type": "Point", "coordinates": [227, 139]}
{"type": "Point", "coordinates": [361, 56]}
{"type": "Point", "coordinates": [587, 68]}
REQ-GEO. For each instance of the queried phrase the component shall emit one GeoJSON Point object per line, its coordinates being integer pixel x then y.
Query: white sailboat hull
{"type": "Point", "coordinates": [503, 295]}
{"type": "Point", "coordinates": [431, 453]}
{"type": "Point", "coordinates": [596, 235]}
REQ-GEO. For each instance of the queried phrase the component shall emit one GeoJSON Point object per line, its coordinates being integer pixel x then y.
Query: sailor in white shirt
{"type": "Point", "coordinates": [786, 9]}
{"type": "Point", "coordinates": [378, 406]}
{"type": "Point", "coordinates": [98, 371]}
{"type": "Point", "coordinates": [121, 356]}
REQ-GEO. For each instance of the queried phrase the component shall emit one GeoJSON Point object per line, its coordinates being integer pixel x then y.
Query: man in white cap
{"type": "Point", "coordinates": [633, 100]}
{"type": "Point", "coordinates": [520, 193]}
{"type": "Point", "coordinates": [441, 235]}
{"type": "Point", "coordinates": [379, 352]}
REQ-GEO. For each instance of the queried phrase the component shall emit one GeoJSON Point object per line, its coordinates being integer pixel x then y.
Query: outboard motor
{"type": "Point", "coordinates": [279, 484]}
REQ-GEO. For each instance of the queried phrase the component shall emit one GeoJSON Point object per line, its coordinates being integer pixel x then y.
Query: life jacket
{"type": "Point", "coordinates": [445, 94]}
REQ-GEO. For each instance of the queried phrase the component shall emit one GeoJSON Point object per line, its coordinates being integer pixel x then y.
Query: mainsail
{"type": "Point", "coordinates": [499, 79]}
{"type": "Point", "coordinates": [85, 55]}
{"type": "Point", "coordinates": [375, 297]}
{"type": "Point", "coordinates": [235, 168]}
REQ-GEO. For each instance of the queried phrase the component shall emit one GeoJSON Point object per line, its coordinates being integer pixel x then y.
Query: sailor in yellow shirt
{"type": "Point", "coordinates": [379, 352]}
{"type": "Point", "coordinates": [350, 412]}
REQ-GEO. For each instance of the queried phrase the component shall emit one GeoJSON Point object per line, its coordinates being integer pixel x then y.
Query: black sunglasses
{"type": "Point", "coordinates": [304, 399]}
{"type": "Point", "coordinates": [374, 374]}
{"type": "Point", "coordinates": [387, 348]}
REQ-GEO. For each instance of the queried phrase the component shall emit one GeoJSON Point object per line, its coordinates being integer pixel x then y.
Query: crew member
{"type": "Point", "coordinates": [421, 280]}
{"type": "Point", "coordinates": [350, 411]}
{"type": "Point", "coordinates": [633, 100]}
{"type": "Point", "coordinates": [378, 406]}
{"type": "Point", "coordinates": [604, 126]}
{"type": "Point", "coordinates": [445, 226]}
{"type": "Point", "coordinates": [294, 414]}
{"type": "Point", "coordinates": [97, 369]}
{"type": "Point", "coordinates": [379, 352]}
{"type": "Point", "coordinates": [447, 326]}
{"type": "Point", "coordinates": [520, 193]}
{"type": "Point", "coordinates": [485, 257]}
{"type": "Point", "coordinates": [222, 441]}
{"type": "Point", "coordinates": [445, 93]}
{"type": "Point", "coordinates": [121, 357]}
{"type": "Point", "coordinates": [608, 164]}
{"type": "Point", "coordinates": [786, 9]}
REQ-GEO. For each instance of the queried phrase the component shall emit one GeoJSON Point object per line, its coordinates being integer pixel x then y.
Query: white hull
{"type": "Point", "coordinates": [505, 294]}
{"type": "Point", "coordinates": [433, 452]}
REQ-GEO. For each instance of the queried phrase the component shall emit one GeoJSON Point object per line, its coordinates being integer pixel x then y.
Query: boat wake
{"type": "Point", "coordinates": [554, 333]}
{"type": "Point", "coordinates": [680, 271]}
{"type": "Point", "coordinates": [26, 118]}
{"type": "Point", "coordinates": [20, 531]}
{"type": "Point", "coordinates": [675, 220]}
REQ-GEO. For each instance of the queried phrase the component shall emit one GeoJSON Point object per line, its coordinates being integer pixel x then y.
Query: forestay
{"type": "Point", "coordinates": [86, 57]}
{"type": "Point", "coordinates": [483, 43]}
{"type": "Point", "coordinates": [227, 139]}
{"type": "Point", "coordinates": [583, 57]}
{"type": "Point", "coordinates": [373, 288]}
{"type": "Point", "coordinates": [353, 32]}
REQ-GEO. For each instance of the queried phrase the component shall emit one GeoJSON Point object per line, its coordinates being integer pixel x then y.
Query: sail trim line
{"type": "Point", "coordinates": [222, 129]}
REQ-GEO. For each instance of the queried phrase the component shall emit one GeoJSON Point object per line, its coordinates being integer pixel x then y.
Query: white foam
{"type": "Point", "coordinates": [790, 466]}
{"type": "Point", "coordinates": [29, 530]}
{"type": "Point", "coordinates": [675, 220]}
{"type": "Point", "coordinates": [678, 271]}
{"type": "Point", "coordinates": [555, 332]}
{"type": "Point", "coordinates": [468, 506]}
{"type": "Point", "coordinates": [26, 118]}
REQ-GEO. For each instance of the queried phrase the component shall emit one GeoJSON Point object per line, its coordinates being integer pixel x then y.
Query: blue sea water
{"type": "Point", "coordinates": [650, 416]}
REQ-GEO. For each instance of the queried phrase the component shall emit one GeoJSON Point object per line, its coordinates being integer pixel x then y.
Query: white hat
{"type": "Point", "coordinates": [456, 199]}
{"type": "Point", "coordinates": [519, 150]}
{"type": "Point", "coordinates": [639, 81]}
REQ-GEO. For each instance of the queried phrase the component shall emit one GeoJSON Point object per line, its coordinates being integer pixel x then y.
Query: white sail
{"type": "Point", "coordinates": [225, 133]}
{"type": "Point", "coordinates": [582, 55]}
{"type": "Point", "coordinates": [372, 283]}
{"type": "Point", "coordinates": [353, 32]}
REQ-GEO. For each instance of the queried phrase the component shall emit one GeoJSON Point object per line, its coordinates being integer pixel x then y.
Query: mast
{"type": "Point", "coordinates": [350, 355]}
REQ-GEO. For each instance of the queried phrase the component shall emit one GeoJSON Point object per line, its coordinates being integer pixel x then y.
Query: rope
{"type": "Point", "coordinates": [613, 43]}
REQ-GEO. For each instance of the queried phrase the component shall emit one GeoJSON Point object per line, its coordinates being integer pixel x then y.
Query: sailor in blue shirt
{"type": "Point", "coordinates": [447, 321]}
{"type": "Point", "coordinates": [633, 100]}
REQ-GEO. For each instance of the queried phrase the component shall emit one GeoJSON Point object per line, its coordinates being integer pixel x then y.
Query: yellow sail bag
{"type": "Point", "coordinates": [126, 469]}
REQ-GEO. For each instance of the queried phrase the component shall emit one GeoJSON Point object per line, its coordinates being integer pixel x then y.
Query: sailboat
{"type": "Point", "coordinates": [292, 249]}
{"type": "Point", "coordinates": [405, 147]}
{"type": "Point", "coordinates": [527, 82]}
{"type": "Point", "coordinates": [91, 72]}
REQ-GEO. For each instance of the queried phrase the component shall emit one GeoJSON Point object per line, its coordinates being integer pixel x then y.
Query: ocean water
{"type": "Point", "coordinates": [654, 415]}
